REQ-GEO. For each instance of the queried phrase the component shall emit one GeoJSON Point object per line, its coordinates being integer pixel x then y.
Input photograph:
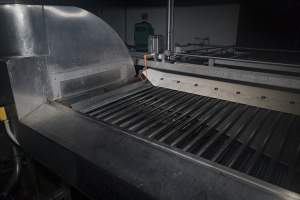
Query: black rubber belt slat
{"type": "Point", "coordinates": [116, 108]}
{"type": "Point", "coordinates": [207, 116]}
{"type": "Point", "coordinates": [279, 149]}
{"type": "Point", "coordinates": [117, 102]}
{"type": "Point", "coordinates": [222, 132]}
{"type": "Point", "coordinates": [293, 168]}
{"type": "Point", "coordinates": [138, 107]}
{"type": "Point", "coordinates": [200, 122]}
{"type": "Point", "coordinates": [182, 115]}
{"type": "Point", "coordinates": [146, 124]}
{"type": "Point", "coordinates": [233, 137]}
{"type": "Point", "coordinates": [132, 94]}
{"type": "Point", "coordinates": [125, 106]}
{"type": "Point", "coordinates": [181, 98]}
{"type": "Point", "coordinates": [112, 106]}
{"type": "Point", "coordinates": [254, 132]}
{"type": "Point", "coordinates": [261, 148]}
{"type": "Point", "coordinates": [177, 124]}
{"type": "Point", "coordinates": [183, 137]}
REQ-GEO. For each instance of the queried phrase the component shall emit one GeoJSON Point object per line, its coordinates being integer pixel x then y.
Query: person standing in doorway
{"type": "Point", "coordinates": [142, 31]}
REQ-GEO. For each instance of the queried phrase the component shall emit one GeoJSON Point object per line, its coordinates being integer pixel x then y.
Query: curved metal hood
{"type": "Point", "coordinates": [56, 51]}
{"type": "Point", "coordinates": [22, 31]}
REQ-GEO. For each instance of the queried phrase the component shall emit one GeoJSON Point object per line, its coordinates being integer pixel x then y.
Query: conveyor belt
{"type": "Point", "coordinates": [262, 143]}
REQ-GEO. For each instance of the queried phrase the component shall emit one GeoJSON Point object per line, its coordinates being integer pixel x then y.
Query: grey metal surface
{"type": "Point", "coordinates": [28, 80]}
{"type": "Point", "coordinates": [248, 64]}
{"type": "Point", "coordinates": [275, 57]}
{"type": "Point", "coordinates": [259, 142]}
{"type": "Point", "coordinates": [277, 67]}
{"type": "Point", "coordinates": [268, 98]}
{"type": "Point", "coordinates": [242, 76]}
{"type": "Point", "coordinates": [103, 98]}
{"type": "Point", "coordinates": [155, 44]}
{"type": "Point", "coordinates": [170, 28]}
{"type": "Point", "coordinates": [22, 31]}
{"type": "Point", "coordinates": [107, 162]}
{"type": "Point", "coordinates": [78, 52]}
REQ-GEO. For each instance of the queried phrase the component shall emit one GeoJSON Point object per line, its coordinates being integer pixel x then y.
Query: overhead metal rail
{"type": "Point", "coordinates": [244, 63]}
{"type": "Point", "coordinates": [228, 74]}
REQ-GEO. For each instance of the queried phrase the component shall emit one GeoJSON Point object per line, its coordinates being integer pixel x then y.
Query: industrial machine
{"type": "Point", "coordinates": [189, 132]}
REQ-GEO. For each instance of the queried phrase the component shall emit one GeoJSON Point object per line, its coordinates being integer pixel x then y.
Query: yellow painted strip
{"type": "Point", "coordinates": [3, 116]}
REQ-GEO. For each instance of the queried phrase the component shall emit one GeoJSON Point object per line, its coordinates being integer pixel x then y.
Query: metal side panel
{"type": "Point", "coordinates": [28, 82]}
{"type": "Point", "coordinates": [261, 97]}
{"type": "Point", "coordinates": [129, 166]}
{"type": "Point", "coordinates": [233, 75]}
{"type": "Point", "coordinates": [22, 31]}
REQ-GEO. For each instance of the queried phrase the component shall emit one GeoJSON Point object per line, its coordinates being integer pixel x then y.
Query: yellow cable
{"type": "Point", "coordinates": [3, 116]}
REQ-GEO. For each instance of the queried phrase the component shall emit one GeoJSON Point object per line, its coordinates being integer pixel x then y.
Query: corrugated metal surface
{"type": "Point", "coordinates": [262, 143]}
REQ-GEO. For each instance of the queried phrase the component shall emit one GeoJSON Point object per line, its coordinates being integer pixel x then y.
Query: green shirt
{"type": "Point", "coordinates": [142, 31]}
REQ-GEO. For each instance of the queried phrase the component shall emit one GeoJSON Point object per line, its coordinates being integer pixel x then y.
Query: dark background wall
{"type": "Point", "coordinates": [219, 23]}
{"type": "Point", "coordinates": [262, 23]}
{"type": "Point", "coordinates": [270, 24]}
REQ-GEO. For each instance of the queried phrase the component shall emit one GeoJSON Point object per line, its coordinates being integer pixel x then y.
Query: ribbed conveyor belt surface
{"type": "Point", "coordinates": [259, 142]}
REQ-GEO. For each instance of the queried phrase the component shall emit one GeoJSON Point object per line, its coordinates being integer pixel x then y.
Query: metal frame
{"type": "Point", "coordinates": [169, 117]}
{"type": "Point", "coordinates": [170, 28]}
{"type": "Point", "coordinates": [147, 170]}
{"type": "Point", "coordinates": [244, 64]}
{"type": "Point", "coordinates": [260, 97]}
{"type": "Point", "coordinates": [260, 79]}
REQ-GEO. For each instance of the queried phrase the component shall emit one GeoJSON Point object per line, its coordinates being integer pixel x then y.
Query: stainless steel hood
{"type": "Point", "coordinates": [66, 51]}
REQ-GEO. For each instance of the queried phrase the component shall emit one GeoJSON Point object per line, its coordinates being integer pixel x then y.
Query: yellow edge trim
{"type": "Point", "coordinates": [3, 116]}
